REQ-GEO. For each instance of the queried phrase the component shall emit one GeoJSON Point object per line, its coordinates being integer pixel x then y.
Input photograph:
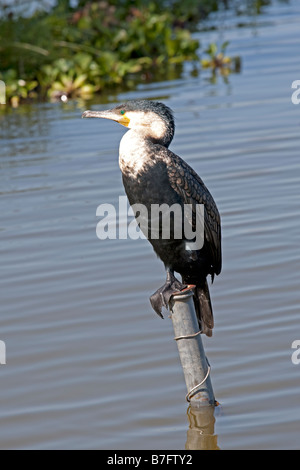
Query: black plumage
{"type": "Point", "coordinates": [153, 175]}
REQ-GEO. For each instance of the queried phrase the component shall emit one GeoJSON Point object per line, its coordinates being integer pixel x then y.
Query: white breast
{"type": "Point", "coordinates": [134, 154]}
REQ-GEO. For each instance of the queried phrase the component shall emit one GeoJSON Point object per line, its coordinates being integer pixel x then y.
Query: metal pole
{"type": "Point", "coordinates": [195, 366]}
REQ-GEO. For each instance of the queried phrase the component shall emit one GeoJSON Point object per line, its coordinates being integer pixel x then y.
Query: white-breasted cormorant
{"type": "Point", "coordinates": [152, 174]}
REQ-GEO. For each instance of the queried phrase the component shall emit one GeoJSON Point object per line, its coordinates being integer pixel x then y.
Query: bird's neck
{"type": "Point", "coordinates": [136, 153]}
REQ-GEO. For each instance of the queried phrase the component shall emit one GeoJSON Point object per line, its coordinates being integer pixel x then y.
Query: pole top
{"type": "Point", "coordinates": [184, 294]}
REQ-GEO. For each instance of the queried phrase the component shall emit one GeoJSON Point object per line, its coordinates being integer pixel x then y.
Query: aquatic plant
{"type": "Point", "coordinates": [218, 60]}
{"type": "Point", "coordinates": [65, 52]}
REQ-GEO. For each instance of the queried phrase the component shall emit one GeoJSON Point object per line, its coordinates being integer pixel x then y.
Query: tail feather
{"type": "Point", "coordinates": [204, 309]}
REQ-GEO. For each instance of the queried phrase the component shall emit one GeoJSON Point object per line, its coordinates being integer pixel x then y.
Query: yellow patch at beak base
{"type": "Point", "coordinates": [124, 120]}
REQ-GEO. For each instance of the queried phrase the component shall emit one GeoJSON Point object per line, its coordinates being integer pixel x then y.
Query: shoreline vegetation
{"type": "Point", "coordinates": [76, 50]}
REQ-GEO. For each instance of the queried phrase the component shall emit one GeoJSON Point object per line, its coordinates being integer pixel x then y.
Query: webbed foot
{"type": "Point", "coordinates": [162, 296]}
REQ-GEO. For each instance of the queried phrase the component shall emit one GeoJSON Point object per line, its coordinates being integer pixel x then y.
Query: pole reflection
{"type": "Point", "coordinates": [201, 433]}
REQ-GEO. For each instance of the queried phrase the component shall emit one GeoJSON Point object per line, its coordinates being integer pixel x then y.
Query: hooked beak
{"type": "Point", "coordinates": [109, 114]}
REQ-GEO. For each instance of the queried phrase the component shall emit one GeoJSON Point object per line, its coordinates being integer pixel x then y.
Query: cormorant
{"type": "Point", "coordinates": [152, 174]}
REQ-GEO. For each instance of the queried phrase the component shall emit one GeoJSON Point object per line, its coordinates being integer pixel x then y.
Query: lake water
{"type": "Point", "coordinates": [89, 364]}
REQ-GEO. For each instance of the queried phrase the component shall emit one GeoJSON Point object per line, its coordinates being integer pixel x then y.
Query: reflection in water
{"type": "Point", "coordinates": [200, 435]}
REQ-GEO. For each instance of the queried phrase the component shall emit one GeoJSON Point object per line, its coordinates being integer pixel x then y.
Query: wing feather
{"type": "Point", "coordinates": [188, 184]}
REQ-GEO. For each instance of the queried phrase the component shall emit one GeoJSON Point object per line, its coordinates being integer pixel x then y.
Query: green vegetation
{"type": "Point", "coordinates": [76, 51]}
{"type": "Point", "coordinates": [218, 61]}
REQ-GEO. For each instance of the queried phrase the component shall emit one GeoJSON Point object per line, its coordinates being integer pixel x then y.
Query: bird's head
{"type": "Point", "coordinates": [152, 119]}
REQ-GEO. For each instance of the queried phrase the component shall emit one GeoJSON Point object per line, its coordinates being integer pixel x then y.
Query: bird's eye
{"type": "Point", "coordinates": [122, 112]}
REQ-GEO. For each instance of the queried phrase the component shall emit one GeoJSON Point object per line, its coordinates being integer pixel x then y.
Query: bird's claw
{"type": "Point", "coordinates": [162, 296]}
